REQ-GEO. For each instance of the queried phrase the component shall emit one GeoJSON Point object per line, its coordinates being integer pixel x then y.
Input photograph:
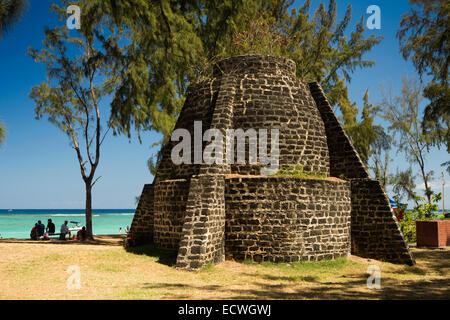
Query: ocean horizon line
{"type": "Point", "coordinates": [66, 212]}
{"type": "Point", "coordinates": [66, 209]}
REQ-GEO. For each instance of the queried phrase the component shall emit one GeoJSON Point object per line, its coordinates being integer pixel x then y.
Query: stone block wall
{"type": "Point", "coordinates": [202, 94]}
{"type": "Point", "coordinates": [344, 159]}
{"type": "Point", "coordinates": [142, 226]}
{"type": "Point", "coordinates": [267, 95]}
{"type": "Point", "coordinates": [222, 119]}
{"type": "Point", "coordinates": [255, 64]}
{"type": "Point", "coordinates": [267, 218]}
{"type": "Point", "coordinates": [375, 230]}
{"type": "Point", "coordinates": [372, 215]}
{"type": "Point", "coordinates": [203, 232]}
{"type": "Point", "coordinates": [286, 219]}
{"type": "Point", "coordinates": [170, 198]}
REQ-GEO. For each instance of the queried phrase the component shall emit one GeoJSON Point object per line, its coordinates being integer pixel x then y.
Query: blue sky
{"type": "Point", "coordinates": [38, 169]}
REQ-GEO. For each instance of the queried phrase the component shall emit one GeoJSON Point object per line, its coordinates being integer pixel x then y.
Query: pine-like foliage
{"type": "Point", "coordinates": [425, 38]}
{"type": "Point", "coordinates": [10, 13]}
{"type": "Point", "coordinates": [381, 157]}
{"type": "Point", "coordinates": [402, 113]}
{"type": "Point", "coordinates": [168, 42]}
{"type": "Point", "coordinates": [363, 134]}
{"type": "Point", "coordinates": [165, 45]}
{"type": "Point", "coordinates": [2, 132]}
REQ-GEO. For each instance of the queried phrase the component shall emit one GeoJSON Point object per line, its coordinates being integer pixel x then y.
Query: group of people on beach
{"type": "Point", "coordinates": [40, 231]}
{"type": "Point", "coordinates": [127, 229]}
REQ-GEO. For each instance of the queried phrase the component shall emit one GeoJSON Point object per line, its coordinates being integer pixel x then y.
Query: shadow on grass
{"type": "Point", "coordinates": [350, 286]}
{"type": "Point", "coordinates": [436, 260]}
{"type": "Point", "coordinates": [102, 240]}
{"type": "Point", "coordinates": [291, 278]}
{"type": "Point", "coordinates": [165, 257]}
{"type": "Point", "coordinates": [354, 289]}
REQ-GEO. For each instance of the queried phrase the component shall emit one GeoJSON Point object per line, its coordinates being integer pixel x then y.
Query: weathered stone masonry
{"type": "Point", "coordinates": [169, 207]}
{"type": "Point", "coordinates": [143, 223]}
{"type": "Point", "coordinates": [375, 232]}
{"type": "Point", "coordinates": [207, 213]}
{"type": "Point", "coordinates": [203, 235]}
{"type": "Point", "coordinates": [286, 219]}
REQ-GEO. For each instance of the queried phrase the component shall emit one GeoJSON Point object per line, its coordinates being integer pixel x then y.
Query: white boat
{"type": "Point", "coordinates": [76, 227]}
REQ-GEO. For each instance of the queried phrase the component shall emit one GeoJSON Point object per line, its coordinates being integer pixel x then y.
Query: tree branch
{"type": "Point", "coordinates": [77, 148]}
{"type": "Point", "coordinates": [104, 135]}
{"type": "Point", "coordinates": [95, 181]}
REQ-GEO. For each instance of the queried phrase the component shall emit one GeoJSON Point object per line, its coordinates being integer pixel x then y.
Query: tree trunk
{"type": "Point", "coordinates": [89, 211]}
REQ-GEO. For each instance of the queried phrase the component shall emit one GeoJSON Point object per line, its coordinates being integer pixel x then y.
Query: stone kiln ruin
{"type": "Point", "coordinates": [215, 212]}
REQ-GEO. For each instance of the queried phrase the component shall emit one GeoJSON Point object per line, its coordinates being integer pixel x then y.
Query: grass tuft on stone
{"type": "Point", "coordinates": [297, 171]}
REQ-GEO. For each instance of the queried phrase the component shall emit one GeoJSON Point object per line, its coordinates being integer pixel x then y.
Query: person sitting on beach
{"type": "Point", "coordinates": [127, 229]}
{"type": "Point", "coordinates": [40, 229]}
{"type": "Point", "coordinates": [81, 234]}
{"type": "Point", "coordinates": [50, 226]}
{"type": "Point", "coordinates": [64, 230]}
{"type": "Point", "coordinates": [34, 232]}
{"type": "Point", "coordinates": [120, 230]}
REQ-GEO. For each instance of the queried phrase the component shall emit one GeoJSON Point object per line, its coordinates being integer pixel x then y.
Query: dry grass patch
{"type": "Point", "coordinates": [38, 271]}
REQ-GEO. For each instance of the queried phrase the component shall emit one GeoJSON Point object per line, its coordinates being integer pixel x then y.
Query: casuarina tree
{"type": "Point", "coordinates": [79, 75]}
{"type": "Point", "coordinates": [425, 39]}
{"type": "Point", "coordinates": [173, 43]}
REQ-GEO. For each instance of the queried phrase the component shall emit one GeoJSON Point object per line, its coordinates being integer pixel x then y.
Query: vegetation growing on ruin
{"type": "Point", "coordinates": [297, 171]}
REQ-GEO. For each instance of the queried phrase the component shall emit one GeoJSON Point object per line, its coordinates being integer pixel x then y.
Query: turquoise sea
{"type": "Point", "coordinates": [17, 223]}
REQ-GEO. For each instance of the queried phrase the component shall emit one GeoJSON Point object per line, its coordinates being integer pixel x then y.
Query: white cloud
{"type": "Point", "coordinates": [435, 185]}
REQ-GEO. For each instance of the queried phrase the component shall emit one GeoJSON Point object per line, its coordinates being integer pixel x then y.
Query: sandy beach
{"type": "Point", "coordinates": [109, 240]}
